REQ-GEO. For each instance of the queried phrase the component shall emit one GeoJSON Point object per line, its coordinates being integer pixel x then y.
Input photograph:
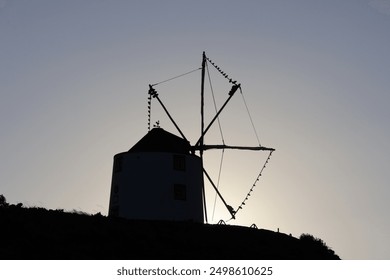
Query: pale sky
{"type": "Point", "coordinates": [74, 77]}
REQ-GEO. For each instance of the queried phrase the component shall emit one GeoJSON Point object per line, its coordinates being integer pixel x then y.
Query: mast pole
{"type": "Point", "coordinates": [202, 105]}
{"type": "Point", "coordinates": [202, 128]}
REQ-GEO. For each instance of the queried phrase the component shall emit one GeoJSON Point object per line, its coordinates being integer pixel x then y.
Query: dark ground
{"type": "Point", "coordinates": [38, 233]}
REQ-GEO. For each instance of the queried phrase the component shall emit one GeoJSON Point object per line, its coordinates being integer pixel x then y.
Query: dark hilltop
{"type": "Point", "coordinates": [38, 233]}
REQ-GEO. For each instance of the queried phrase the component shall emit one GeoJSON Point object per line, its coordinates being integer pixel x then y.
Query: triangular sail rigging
{"type": "Point", "coordinates": [200, 146]}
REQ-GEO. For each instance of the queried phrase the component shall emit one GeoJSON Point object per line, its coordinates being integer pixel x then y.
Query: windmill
{"type": "Point", "coordinates": [176, 191]}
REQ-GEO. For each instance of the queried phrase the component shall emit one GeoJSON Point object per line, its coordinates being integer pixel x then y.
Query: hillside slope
{"type": "Point", "coordinates": [37, 233]}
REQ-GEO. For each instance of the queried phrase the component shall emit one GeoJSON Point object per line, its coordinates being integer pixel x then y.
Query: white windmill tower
{"type": "Point", "coordinates": [174, 190]}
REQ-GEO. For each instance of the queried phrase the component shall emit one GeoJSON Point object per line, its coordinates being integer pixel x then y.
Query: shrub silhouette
{"type": "Point", "coordinates": [318, 243]}
{"type": "Point", "coordinates": [3, 202]}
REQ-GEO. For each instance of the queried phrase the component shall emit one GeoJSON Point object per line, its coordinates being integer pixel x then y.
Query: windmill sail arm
{"type": "Point", "coordinates": [209, 147]}
{"type": "Point", "coordinates": [231, 93]}
{"type": "Point", "coordinates": [228, 207]}
{"type": "Point", "coordinates": [153, 93]}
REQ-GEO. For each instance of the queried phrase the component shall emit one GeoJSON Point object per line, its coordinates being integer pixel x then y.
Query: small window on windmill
{"type": "Point", "coordinates": [179, 162]}
{"type": "Point", "coordinates": [179, 192]}
{"type": "Point", "coordinates": [118, 164]}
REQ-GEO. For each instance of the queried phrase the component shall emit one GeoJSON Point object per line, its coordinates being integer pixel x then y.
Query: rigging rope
{"type": "Point", "coordinates": [250, 117]}
{"type": "Point", "coordinates": [215, 104]}
{"type": "Point", "coordinates": [234, 82]}
{"type": "Point", "coordinates": [222, 73]}
{"type": "Point", "coordinates": [222, 138]}
{"type": "Point", "coordinates": [149, 110]}
{"type": "Point", "coordinates": [254, 184]}
{"type": "Point", "coordinates": [177, 77]}
{"type": "Point", "coordinates": [219, 177]}
{"type": "Point", "coordinates": [150, 93]}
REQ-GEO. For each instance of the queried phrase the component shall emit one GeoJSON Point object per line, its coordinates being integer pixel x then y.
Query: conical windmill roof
{"type": "Point", "coordinates": [159, 140]}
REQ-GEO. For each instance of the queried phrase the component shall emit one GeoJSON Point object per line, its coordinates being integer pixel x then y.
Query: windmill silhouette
{"type": "Point", "coordinates": [158, 149]}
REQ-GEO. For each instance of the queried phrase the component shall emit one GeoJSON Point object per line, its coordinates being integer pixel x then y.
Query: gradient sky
{"type": "Point", "coordinates": [74, 77]}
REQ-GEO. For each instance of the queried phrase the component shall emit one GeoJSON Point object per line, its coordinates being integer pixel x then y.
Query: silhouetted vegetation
{"type": "Point", "coordinates": [3, 201]}
{"type": "Point", "coordinates": [39, 233]}
{"type": "Point", "coordinates": [317, 243]}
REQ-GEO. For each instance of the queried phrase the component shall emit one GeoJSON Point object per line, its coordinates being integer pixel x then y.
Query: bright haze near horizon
{"type": "Point", "coordinates": [74, 77]}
